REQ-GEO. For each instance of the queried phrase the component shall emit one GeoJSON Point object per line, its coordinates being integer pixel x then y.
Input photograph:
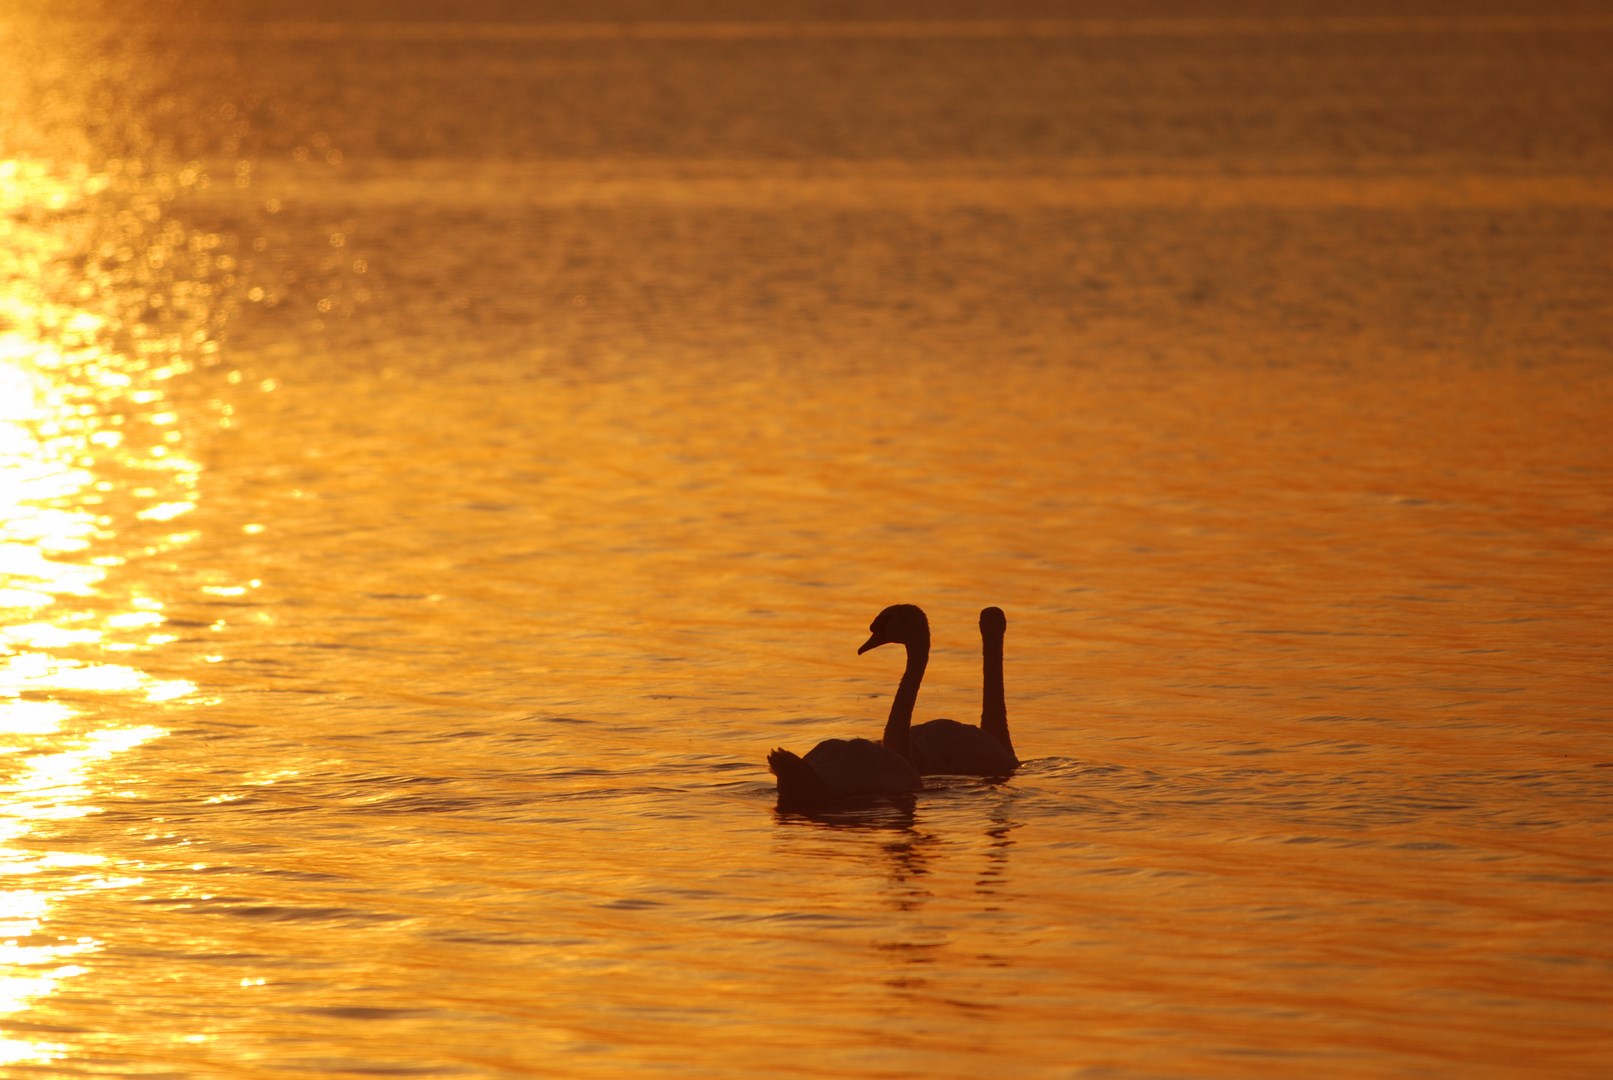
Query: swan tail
{"type": "Point", "coordinates": [798, 782]}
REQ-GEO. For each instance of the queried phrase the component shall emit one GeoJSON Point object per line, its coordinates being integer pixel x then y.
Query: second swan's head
{"type": "Point", "coordinates": [900, 623]}
{"type": "Point", "coordinates": [993, 621]}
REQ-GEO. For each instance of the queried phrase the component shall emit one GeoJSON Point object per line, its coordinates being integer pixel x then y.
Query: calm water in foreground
{"type": "Point", "coordinates": [443, 454]}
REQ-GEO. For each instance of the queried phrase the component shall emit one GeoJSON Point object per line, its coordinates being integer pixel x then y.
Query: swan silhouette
{"type": "Point", "coordinates": [844, 768]}
{"type": "Point", "coordinates": [946, 747]}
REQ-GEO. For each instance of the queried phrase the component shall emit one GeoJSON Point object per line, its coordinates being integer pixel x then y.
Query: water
{"type": "Point", "coordinates": [444, 451]}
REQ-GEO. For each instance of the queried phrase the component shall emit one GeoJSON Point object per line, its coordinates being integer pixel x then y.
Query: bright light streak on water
{"type": "Point", "coordinates": [63, 708]}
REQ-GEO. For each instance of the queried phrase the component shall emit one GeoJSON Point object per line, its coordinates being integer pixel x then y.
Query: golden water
{"type": "Point", "coordinates": [441, 458]}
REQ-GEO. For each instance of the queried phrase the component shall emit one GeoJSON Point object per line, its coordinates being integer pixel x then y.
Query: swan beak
{"type": "Point", "coordinates": [873, 642]}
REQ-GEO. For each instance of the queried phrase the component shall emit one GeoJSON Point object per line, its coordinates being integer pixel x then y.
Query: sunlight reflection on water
{"type": "Point", "coordinates": [66, 405]}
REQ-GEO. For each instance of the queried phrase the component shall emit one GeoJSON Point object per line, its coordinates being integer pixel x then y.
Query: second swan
{"type": "Point", "coordinates": [948, 748]}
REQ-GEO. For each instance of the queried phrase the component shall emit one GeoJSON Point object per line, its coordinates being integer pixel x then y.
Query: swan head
{"type": "Point", "coordinates": [993, 621]}
{"type": "Point", "coordinates": [902, 624]}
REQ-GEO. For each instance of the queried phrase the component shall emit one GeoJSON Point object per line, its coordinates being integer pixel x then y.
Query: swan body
{"type": "Point", "coordinates": [848, 768]}
{"type": "Point", "coordinates": [842, 768]}
{"type": "Point", "coordinates": [949, 748]}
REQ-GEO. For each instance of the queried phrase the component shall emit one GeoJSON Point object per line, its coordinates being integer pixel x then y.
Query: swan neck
{"type": "Point", "coordinates": [907, 693]}
{"type": "Point", "coordinates": [993, 706]}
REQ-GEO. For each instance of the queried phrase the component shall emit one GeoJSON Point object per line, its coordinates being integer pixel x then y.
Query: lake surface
{"type": "Point", "coordinates": [445, 448]}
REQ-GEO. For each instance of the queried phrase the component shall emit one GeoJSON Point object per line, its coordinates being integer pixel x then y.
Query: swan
{"type": "Point", "coordinates": [946, 747]}
{"type": "Point", "coordinates": [840, 768]}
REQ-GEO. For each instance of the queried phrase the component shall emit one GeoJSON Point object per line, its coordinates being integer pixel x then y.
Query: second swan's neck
{"type": "Point", "coordinates": [907, 694]}
{"type": "Point", "coordinates": [993, 707]}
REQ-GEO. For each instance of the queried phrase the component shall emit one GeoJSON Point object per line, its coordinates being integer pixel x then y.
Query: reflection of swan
{"type": "Point", "coordinates": [837, 768]}
{"type": "Point", "coordinates": [950, 748]}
